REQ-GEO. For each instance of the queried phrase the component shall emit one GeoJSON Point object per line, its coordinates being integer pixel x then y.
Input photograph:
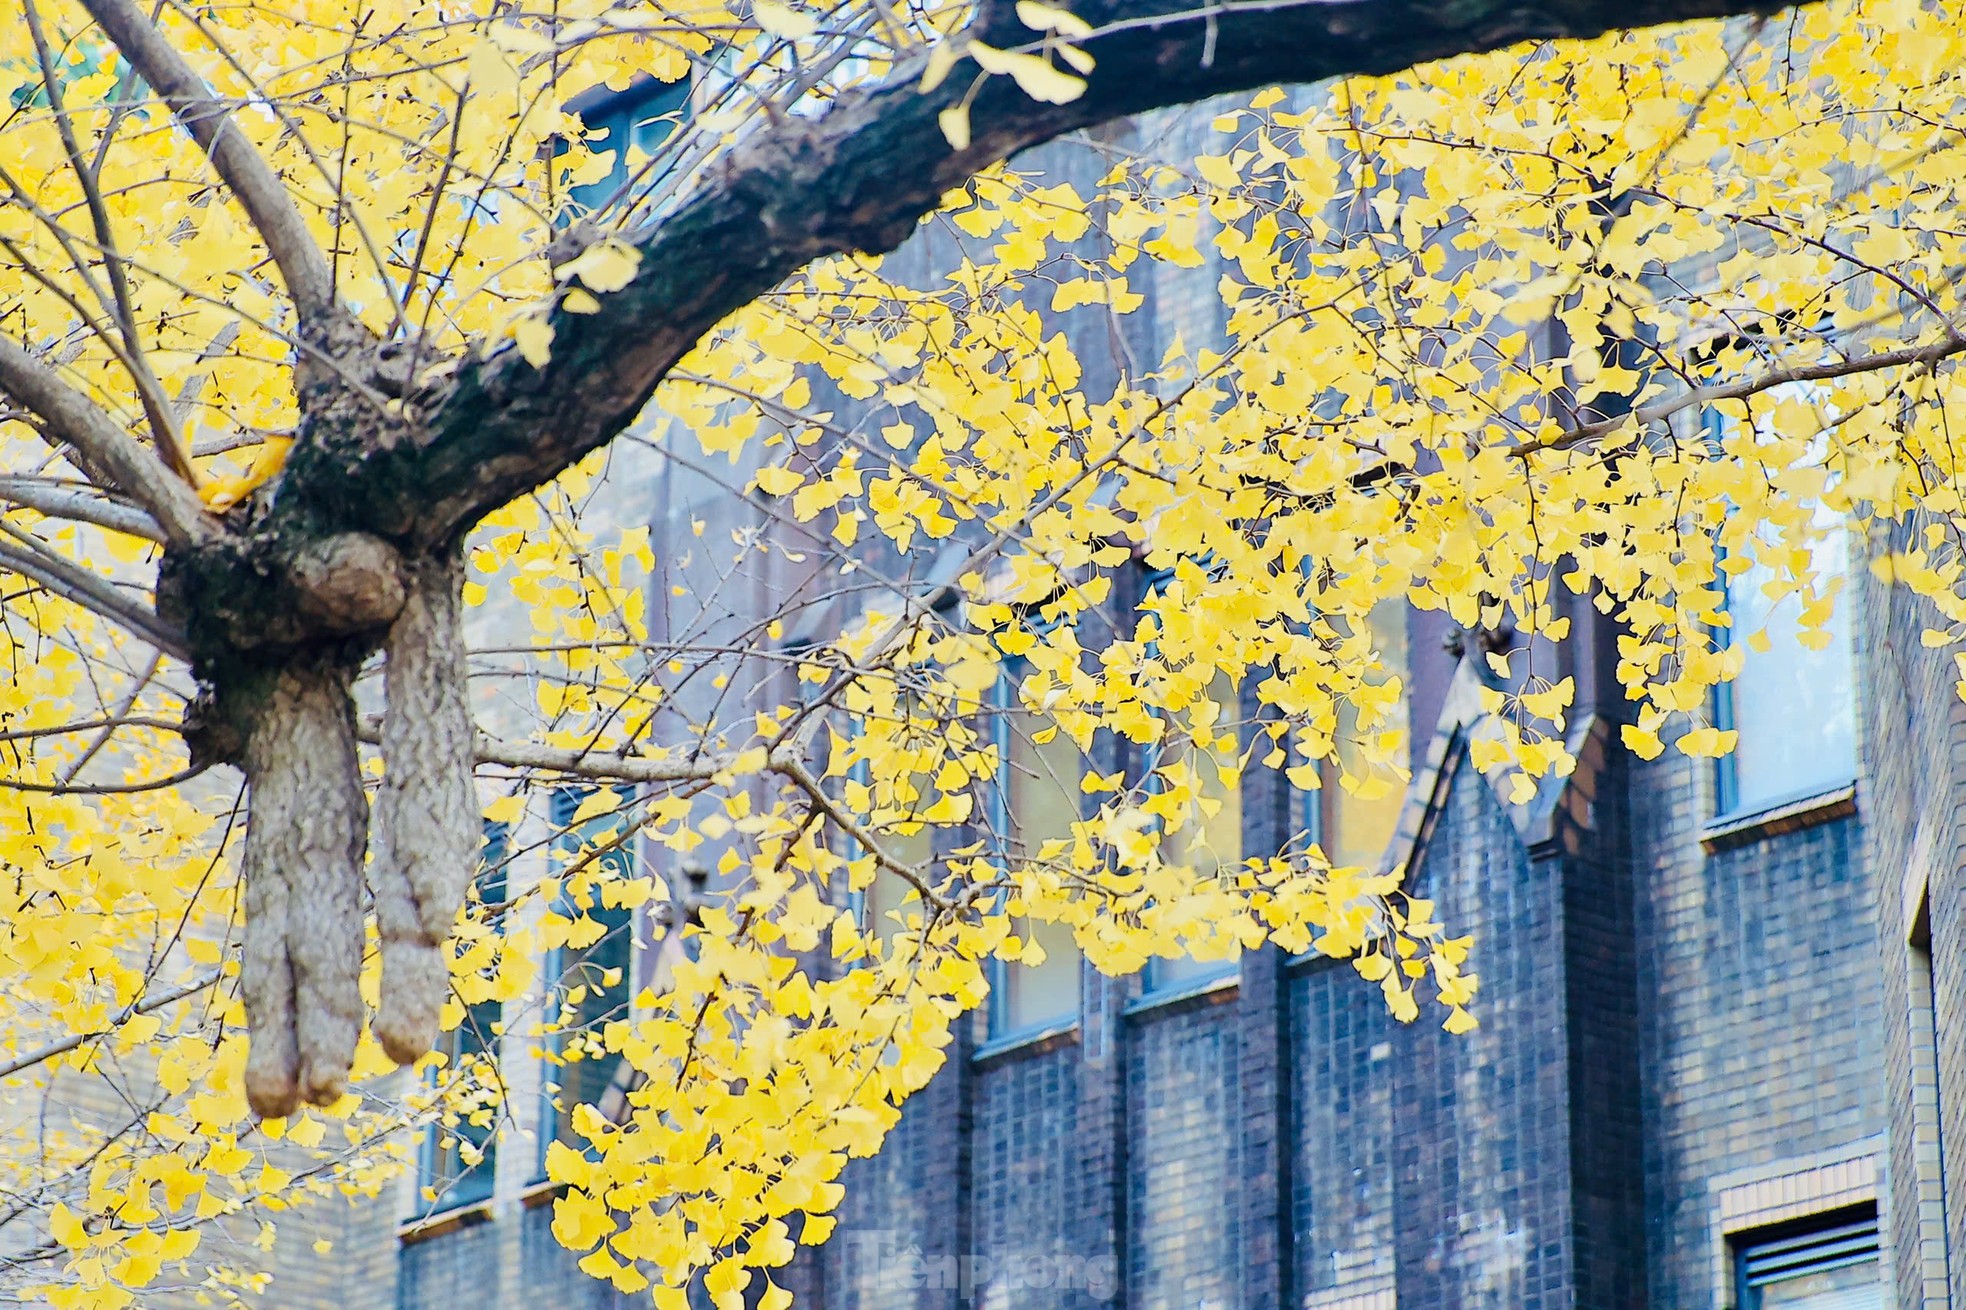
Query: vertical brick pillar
{"type": "Point", "coordinates": [1099, 1237]}
{"type": "Point", "coordinates": [1265, 1155]}
{"type": "Point", "coordinates": [1262, 1030]}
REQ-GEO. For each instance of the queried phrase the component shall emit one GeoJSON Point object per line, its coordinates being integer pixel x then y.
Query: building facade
{"type": "Point", "coordinates": [1721, 1060]}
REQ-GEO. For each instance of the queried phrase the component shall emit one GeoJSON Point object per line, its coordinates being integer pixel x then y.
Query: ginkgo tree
{"type": "Point", "coordinates": [315, 319]}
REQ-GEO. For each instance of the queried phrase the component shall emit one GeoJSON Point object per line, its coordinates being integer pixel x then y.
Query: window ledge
{"type": "Point", "coordinates": [1731, 830]}
{"type": "Point", "coordinates": [543, 1192]}
{"type": "Point", "coordinates": [1313, 961]}
{"type": "Point", "coordinates": [1212, 991]}
{"type": "Point", "coordinates": [426, 1227]}
{"type": "Point", "coordinates": [1028, 1042]}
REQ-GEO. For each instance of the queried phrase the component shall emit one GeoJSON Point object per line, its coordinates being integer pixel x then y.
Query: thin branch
{"type": "Point", "coordinates": [56, 1049]}
{"type": "Point", "coordinates": [74, 418]}
{"type": "Point", "coordinates": [163, 422]}
{"type": "Point", "coordinates": [611, 766]}
{"type": "Point", "coordinates": [83, 588]}
{"type": "Point", "coordinates": [92, 725]}
{"type": "Point", "coordinates": [794, 769]}
{"type": "Point", "coordinates": [259, 190]}
{"type": "Point", "coordinates": [78, 506]}
{"type": "Point", "coordinates": [1698, 397]}
{"type": "Point", "coordinates": [182, 776]}
{"type": "Point", "coordinates": [606, 766]}
{"type": "Point", "coordinates": [117, 717]}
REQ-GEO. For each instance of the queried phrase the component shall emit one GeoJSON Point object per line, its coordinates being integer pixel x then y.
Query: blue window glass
{"type": "Point", "coordinates": [634, 122]}
{"type": "Point", "coordinates": [457, 1163]}
{"type": "Point", "coordinates": [595, 979]}
{"type": "Point", "coordinates": [1792, 701]}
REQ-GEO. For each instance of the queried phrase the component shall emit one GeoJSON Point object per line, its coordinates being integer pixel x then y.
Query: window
{"type": "Point", "coordinates": [885, 904]}
{"type": "Point", "coordinates": [458, 1163]}
{"type": "Point", "coordinates": [1038, 802]}
{"type": "Point", "coordinates": [595, 978]}
{"type": "Point", "coordinates": [1354, 825]}
{"type": "Point", "coordinates": [1830, 1265]}
{"type": "Point", "coordinates": [1791, 703]}
{"type": "Point", "coordinates": [639, 119]}
{"type": "Point", "coordinates": [1212, 837]}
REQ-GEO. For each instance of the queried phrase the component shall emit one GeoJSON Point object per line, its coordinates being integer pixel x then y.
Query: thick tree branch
{"type": "Point", "coordinates": [259, 190]}
{"type": "Point", "coordinates": [806, 188]}
{"type": "Point", "coordinates": [72, 417]}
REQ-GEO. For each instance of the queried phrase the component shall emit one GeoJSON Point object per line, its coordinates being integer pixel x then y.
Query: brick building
{"type": "Point", "coordinates": [1721, 1058]}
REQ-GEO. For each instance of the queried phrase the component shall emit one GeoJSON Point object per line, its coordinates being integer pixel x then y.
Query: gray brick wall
{"type": "Point", "coordinates": [1184, 1247]}
{"type": "Point", "coordinates": [1760, 1028]}
{"type": "Point", "coordinates": [1342, 1135]}
{"type": "Point", "coordinates": [1028, 1185]}
{"type": "Point", "coordinates": [903, 1227]}
{"type": "Point", "coordinates": [1480, 1133]}
{"type": "Point", "coordinates": [1913, 770]}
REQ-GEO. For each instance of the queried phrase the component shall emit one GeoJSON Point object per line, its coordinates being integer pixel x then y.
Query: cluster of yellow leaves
{"type": "Point", "coordinates": [126, 1128]}
{"type": "Point", "coordinates": [1433, 280]}
{"type": "Point", "coordinates": [1439, 295]}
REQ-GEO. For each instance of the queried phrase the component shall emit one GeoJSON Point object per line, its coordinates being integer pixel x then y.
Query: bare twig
{"type": "Point", "coordinates": [54, 1050]}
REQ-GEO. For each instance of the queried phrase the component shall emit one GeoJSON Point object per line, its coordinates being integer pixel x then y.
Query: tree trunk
{"type": "Point", "coordinates": [301, 970]}
{"type": "Point", "coordinates": [427, 824]}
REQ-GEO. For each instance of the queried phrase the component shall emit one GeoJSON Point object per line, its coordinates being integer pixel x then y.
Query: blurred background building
{"type": "Point", "coordinates": [1722, 1052]}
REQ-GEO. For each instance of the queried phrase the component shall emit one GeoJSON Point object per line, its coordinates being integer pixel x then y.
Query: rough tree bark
{"type": "Point", "coordinates": [427, 825]}
{"type": "Point", "coordinates": [354, 547]}
{"type": "Point", "coordinates": [303, 881]}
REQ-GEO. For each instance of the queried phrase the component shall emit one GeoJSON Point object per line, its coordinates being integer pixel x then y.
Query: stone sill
{"type": "Point", "coordinates": [427, 1227]}
{"type": "Point", "coordinates": [1732, 830]}
{"type": "Point", "coordinates": [1210, 991]}
{"type": "Point", "coordinates": [1029, 1042]}
{"type": "Point", "coordinates": [543, 1192]}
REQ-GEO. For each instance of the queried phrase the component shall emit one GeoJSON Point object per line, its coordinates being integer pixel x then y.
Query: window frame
{"type": "Point", "coordinates": [562, 803]}
{"type": "Point", "coordinates": [432, 1156]}
{"type": "Point", "coordinates": [1850, 1236]}
{"type": "Point", "coordinates": [1158, 984]}
{"type": "Point", "coordinates": [1728, 807]}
